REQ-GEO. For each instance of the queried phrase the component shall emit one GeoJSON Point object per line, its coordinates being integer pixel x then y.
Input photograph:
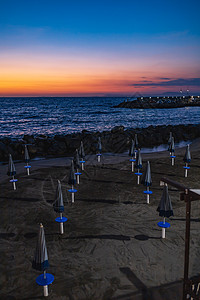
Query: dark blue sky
{"type": "Point", "coordinates": [115, 42]}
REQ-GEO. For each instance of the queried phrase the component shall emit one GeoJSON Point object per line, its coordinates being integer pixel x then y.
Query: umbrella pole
{"type": "Point", "coordinates": [27, 170]}
{"type": "Point", "coordinates": [186, 165]}
{"type": "Point", "coordinates": [132, 166]}
{"type": "Point", "coordinates": [61, 225]}
{"type": "Point", "coordinates": [98, 158]}
{"type": "Point", "coordinates": [45, 287]}
{"type": "Point", "coordinates": [172, 161]}
{"type": "Point", "coordinates": [82, 166]}
{"type": "Point", "coordinates": [72, 194]}
{"type": "Point", "coordinates": [138, 178]}
{"type": "Point", "coordinates": [163, 229]}
{"type": "Point", "coordinates": [135, 154]}
{"type": "Point", "coordinates": [147, 195]}
{"type": "Point", "coordinates": [78, 181]}
{"type": "Point", "coordinates": [14, 185]}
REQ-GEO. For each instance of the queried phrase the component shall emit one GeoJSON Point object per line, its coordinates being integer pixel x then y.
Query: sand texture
{"type": "Point", "coordinates": [112, 246]}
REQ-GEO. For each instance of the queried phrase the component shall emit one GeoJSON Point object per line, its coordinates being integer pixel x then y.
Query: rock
{"type": "Point", "coordinates": [117, 129]}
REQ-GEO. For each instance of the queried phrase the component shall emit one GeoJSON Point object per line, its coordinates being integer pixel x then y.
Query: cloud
{"type": "Point", "coordinates": [171, 82]}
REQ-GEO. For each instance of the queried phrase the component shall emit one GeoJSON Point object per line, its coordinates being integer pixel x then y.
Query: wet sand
{"type": "Point", "coordinates": [112, 246]}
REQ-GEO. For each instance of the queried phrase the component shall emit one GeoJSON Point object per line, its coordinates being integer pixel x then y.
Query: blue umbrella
{"type": "Point", "coordinates": [132, 154]}
{"type": "Point", "coordinates": [146, 180]}
{"type": "Point", "coordinates": [165, 209]}
{"type": "Point", "coordinates": [72, 180]}
{"type": "Point", "coordinates": [12, 171]}
{"type": "Point", "coordinates": [59, 206]}
{"type": "Point", "coordinates": [187, 160]}
{"type": "Point", "coordinates": [27, 159]}
{"type": "Point", "coordinates": [99, 149]}
{"type": "Point", "coordinates": [82, 155]}
{"type": "Point", "coordinates": [77, 166]}
{"type": "Point", "coordinates": [40, 261]}
{"type": "Point", "coordinates": [138, 165]}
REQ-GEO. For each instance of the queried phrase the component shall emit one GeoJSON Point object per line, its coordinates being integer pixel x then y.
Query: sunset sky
{"type": "Point", "coordinates": [99, 48]}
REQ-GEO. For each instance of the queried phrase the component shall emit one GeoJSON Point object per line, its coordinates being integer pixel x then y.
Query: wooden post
{"type": "Point", "coordinates": [186, 287]}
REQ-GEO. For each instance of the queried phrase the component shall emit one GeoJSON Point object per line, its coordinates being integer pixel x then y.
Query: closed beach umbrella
{"type": "Point", "coordinates": [12, 171]}
{"type": "Point", "coordinates": [136, 144]}
{"type": "Point", "coordinates": [59, 206]}
{"type": "Point", "coordinates": [132, 154]}
{"type": "Point", "coordinates": [82, 155]}
{"type": "Point", "coordinates": [171, 146]}
{"type": "Point", "coordinates": [40, 261]}
{"type": "Point", "coordinates": [99, 149]}
{"type": "Point", "coordinates": [187, 159]}
{"type": "Point", "coordinates": [187, 156]}
{"type": "Point", "coordinates": [171, 150]}
{"type": "Point", "coordinates": [132, 149]}
{"type": "Point", "coordinates": [165, 209]}
{"type": "Point", "coordinates": [27, 159]}
{"type": "Point", "coordinates": [146, 180]}
{"type": "Point", "coordinates": [138, 165]}
{"type": "Point", "coordinates": [11, 167]}
{"type": "Point", "coordinates": [26, 154]}
{"type": "Point", "coordinates": [77, 165]}
{"type": "Point", "coordinates": [72, 180]}
{"type": "Point", "coordinates": [170, 138]}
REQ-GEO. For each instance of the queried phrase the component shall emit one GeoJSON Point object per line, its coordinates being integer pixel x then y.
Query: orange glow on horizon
{"type": "Point", "coordinates": [54, 75]}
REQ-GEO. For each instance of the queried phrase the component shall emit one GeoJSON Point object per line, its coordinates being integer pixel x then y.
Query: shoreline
{"type": "Point", "coordinates": [116, 140]}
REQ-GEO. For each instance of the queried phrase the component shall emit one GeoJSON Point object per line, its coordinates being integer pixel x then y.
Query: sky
{"type": "Point", "coordinates": [99, 48]}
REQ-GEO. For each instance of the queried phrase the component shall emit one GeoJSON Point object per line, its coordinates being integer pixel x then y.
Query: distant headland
{"type": "Point", "coordinates": [160, 102]}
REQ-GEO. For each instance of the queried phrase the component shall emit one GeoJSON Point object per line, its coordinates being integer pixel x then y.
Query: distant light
{"type": "Point", "coordinates": [149, 97]}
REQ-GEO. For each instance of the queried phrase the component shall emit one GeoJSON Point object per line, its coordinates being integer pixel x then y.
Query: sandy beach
{"type": "Point", "coordinates": [112, 246]}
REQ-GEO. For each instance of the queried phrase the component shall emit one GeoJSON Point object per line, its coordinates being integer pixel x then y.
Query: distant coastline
{"type": "Point", "coordinates": [160, 102]}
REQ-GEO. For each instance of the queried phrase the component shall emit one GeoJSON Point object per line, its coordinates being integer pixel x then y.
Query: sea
{"type": "Point", "coordinates": [64, 115]}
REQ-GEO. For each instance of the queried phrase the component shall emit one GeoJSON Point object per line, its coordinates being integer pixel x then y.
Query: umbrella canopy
{"type": "Point", "coordinates": [138, 162]}
{"type": "Point", "coordinates": [26, 154]}
{"type": "Point", "coordinates": [171, 146]}
{"type": "Point", "coordinates": [11, 167]}
{"type": "Point", "coordinates": [99, 146]}
{"type": "Point", "coordinates": [170, 138]}
{"type": "Point", "coordinates": [187, 156]}
{"type": "Point", "coordinates": [146, 179]}
{"type": "Point", "coordinates": [40, 260]}
{"type": "Point", "coordinates": [132, 149]}
{"type": "Point", "coordinates": [136, 145]}
{"type": "Point", "coordinates": [81, 151]}
{"type": "Point", "coordinates": [165, 205]}
{"type": "Point", "coordinates": [58, 205]}
{"type": "Point", "coordinates": [72, 176]}
{"type": "Point", "coordinates": [77, 160]}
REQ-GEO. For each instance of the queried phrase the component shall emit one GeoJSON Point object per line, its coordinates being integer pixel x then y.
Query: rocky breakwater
{"type": "Point", "coordinates": [117, 141]}
{"type": "Point", "coordinates": [160, 102]}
